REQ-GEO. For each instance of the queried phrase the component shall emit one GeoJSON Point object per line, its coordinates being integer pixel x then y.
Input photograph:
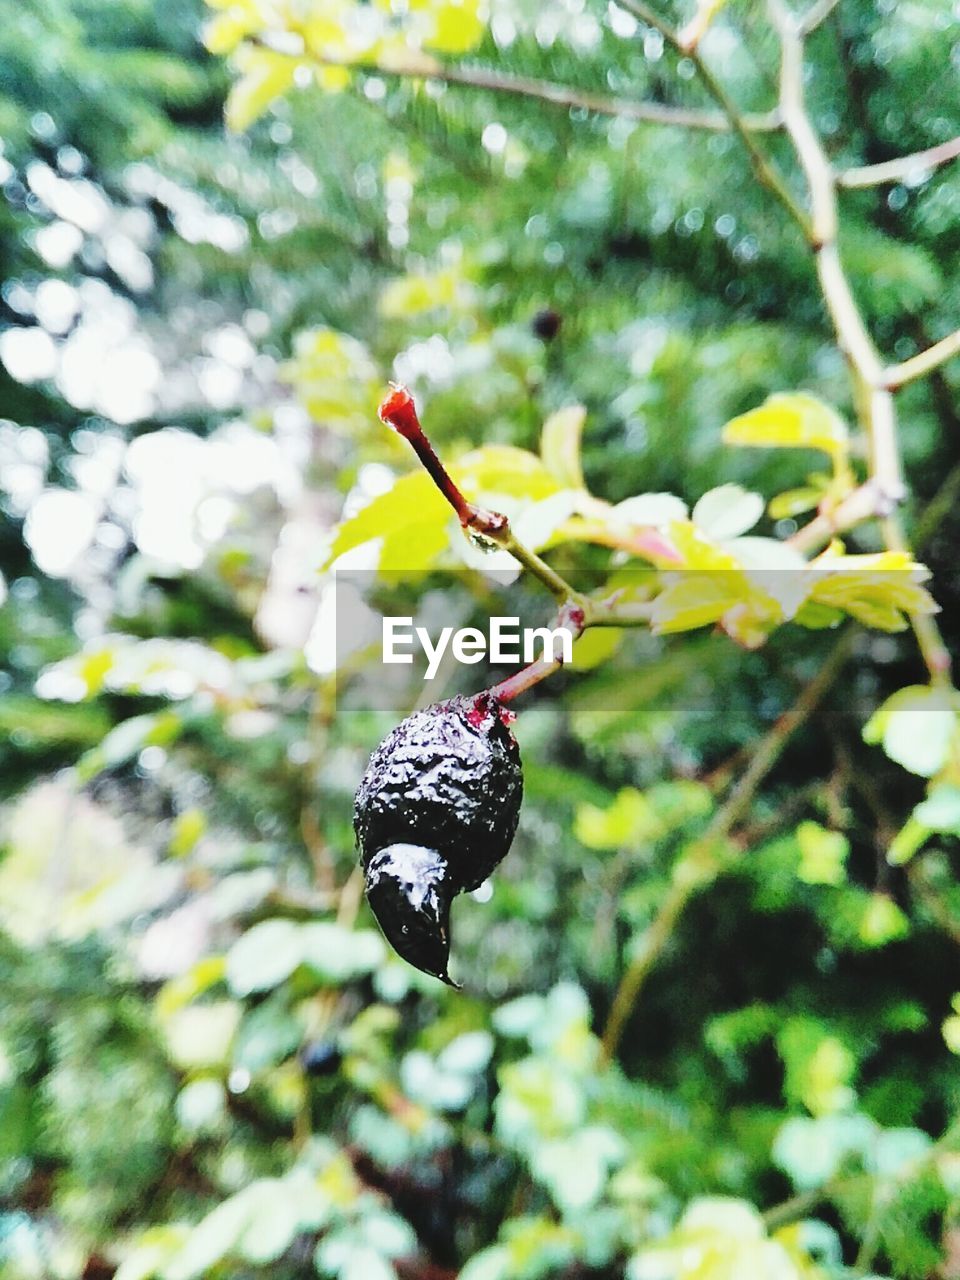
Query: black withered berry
{"type": "Point", "coordinates": [435, 812]}
{"type": "Point", "coordinates": [546, 324]}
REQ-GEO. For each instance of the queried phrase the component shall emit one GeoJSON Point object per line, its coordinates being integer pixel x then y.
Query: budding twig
{"type": "Point", "coordinates": [399, 412]}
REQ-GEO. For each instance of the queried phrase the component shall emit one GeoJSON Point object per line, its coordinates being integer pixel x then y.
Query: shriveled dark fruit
{"type": "Point", "coordinates": [435, 813]}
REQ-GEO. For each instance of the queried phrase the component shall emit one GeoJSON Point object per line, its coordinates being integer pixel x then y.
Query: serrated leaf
{"type": "Point", "coordinates": [695, 600]}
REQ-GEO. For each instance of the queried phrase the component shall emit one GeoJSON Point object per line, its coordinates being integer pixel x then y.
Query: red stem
{"type": "Point", "coordinates": [572, 617]}
{"type": "Point", "coordinates": [399, 412]}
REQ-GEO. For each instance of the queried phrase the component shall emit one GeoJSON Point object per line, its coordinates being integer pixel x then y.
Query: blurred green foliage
{"type": "Point", "coordinates": [210, 1065]}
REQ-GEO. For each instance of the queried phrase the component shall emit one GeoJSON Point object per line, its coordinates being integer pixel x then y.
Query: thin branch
{"type": "Point", "coordinates": [816, 16]}
{"type": "Point", "coordinates": [864, 502]}
{"type": "Point", "coordinates": [766, 174]}
{"type": "Point", "coordinates": [421, 66]}
{"type": "Point", "coordinates": [651, 18]}
{"type": "Point", "coordinates": [919, 366]}
{"type": "Point", "coordinates": [702, 862]}
{"type": "Point", "coordinates": [876, 175]}
{"type": "Point", "coordinates": [852, 334]}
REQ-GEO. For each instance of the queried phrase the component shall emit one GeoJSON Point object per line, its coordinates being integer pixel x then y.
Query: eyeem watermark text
{"type": "Point", "coordinates": [506, 642]}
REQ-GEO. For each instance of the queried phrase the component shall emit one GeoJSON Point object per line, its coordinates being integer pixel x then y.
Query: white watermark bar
{"type": "Point", "coordinates": [505, 643]}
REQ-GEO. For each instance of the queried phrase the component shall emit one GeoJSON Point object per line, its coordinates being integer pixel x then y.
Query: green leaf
{"type": "Point", "coordinates": [790, 420]}
{"type": "Point", "coordinates": [882, 921]}
{"type": "Point", "coordinates": [628, 821]}
{"type": "Point", "coordinates": [560, 445]}
{"type": "Point", "coordinates": [823, 854]}
{"type": "Point", "coordinates": [594, 647]}
{"type": "Point", "coordinates": [264, 956]}
{"type": "Point", "coordinates": [810, 1151]}
{"type": "Point", "coordinates": [339, 954]}
{"type": "Point", "coordinates": [267, 1035]}
{"type": "Point", "coordinates": [575, 1169]}
{"type": "Point", "coordinates": [489, 1264]}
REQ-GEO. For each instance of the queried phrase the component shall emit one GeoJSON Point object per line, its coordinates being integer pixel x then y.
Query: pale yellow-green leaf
{"type": "Point", "coordinates": [336, 380]}
{"type": "Point", "coordinates": [504, 469]}
{"type": "Point", "coordinates": [153, 1248]}
{"type": "Point", "coordinates": [694, 600]}
{"type": "Point", "coordinates": [750, 621]}
{"type": "Point", "coordinates": [829, 1070]}
{"type": "Point", "coordinates": [183, 990]}
{"type": "Point", "coordinates": [413, 503]}
{"type": "Point", "coordinates": [560, 445]}
{"type": "Point", "coordinates": [629, 820]}
{"type": "Point", "coordinates": [721, 1238]}
{"type": "Point", "coordinates": [223, 33]}
{"type": "Point", "coordinates": [199, 1036]}
{"type": "Point", "coordinates": [793, 502]}
{"type": "Point", "coordinates": [880, 590]}
{"type": "Point", "coordinates": [265, 76]}
{"type": "Point", "coordinates": [951, 1027]}
{"type": "Point", "coordinates": [415, 294]}
{"type": "Point", "coordinates": [413, 549]}
{"type": "Point", "coordinates": [790, 420]}
{"type": "Point", "coordinates": [456, 26]}
{"type": "Point", "coordinates": [594, 647]}
{"type": "Point", "coordinates": [188, 828]}
{"type": "Point", "coordinates": [696, 551]}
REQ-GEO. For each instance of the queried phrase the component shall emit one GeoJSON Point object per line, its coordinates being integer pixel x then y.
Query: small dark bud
{"type": "Point", "coordinates": [435, 813]}
{"type": "Point", "coordinates": [320, 1058]}
{"type": "Point", "coordinates": [546, 324]}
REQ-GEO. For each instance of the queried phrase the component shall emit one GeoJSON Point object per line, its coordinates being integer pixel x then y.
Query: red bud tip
{"type": "Point", "coordinates": [399, 411]}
